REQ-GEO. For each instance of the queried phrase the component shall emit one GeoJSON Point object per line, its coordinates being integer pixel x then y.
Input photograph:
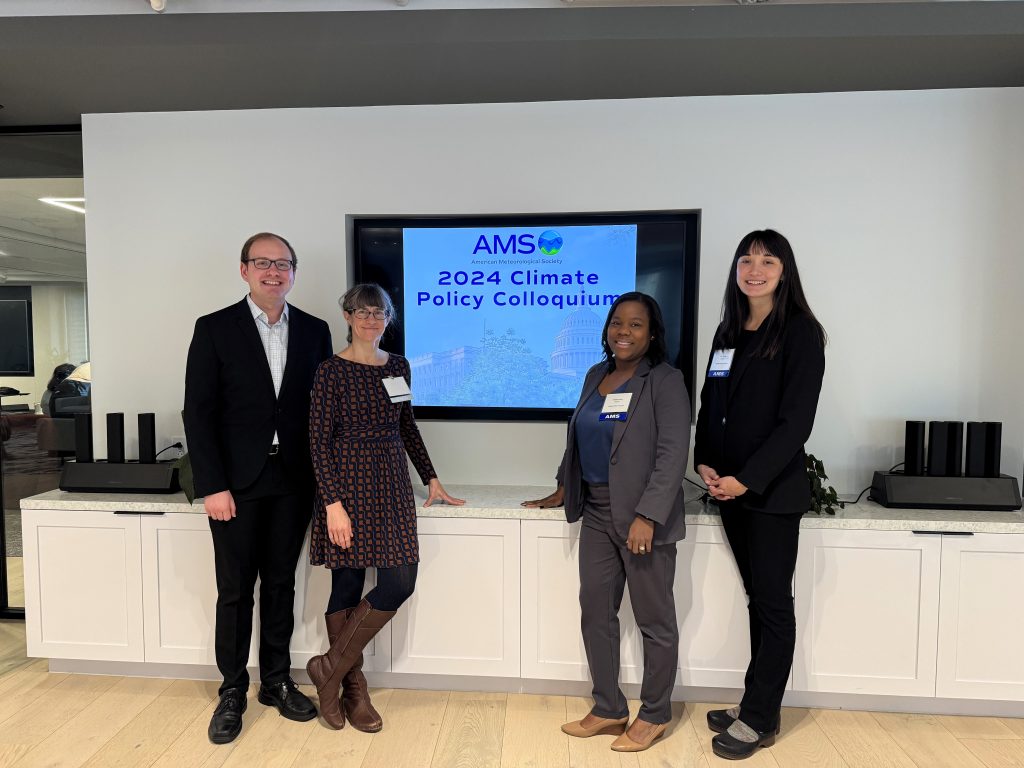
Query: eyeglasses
{"type": "Point", "coordinates": [283, 265]}
{"type": "Point", "coordinates": [363, 313]}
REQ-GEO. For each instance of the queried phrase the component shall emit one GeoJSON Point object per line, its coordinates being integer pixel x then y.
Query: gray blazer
{"type": "Point", "coordinates": [649, 452]}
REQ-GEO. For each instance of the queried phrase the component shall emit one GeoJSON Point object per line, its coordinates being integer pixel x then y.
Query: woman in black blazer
{"type": "Point", "coordinates": [623, 476]}
{"type": "Point", "coordinates": [757, 410]}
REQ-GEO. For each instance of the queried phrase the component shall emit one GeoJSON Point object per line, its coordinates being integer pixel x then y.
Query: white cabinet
{"type": "Point", "coordinates": [552, 643]}
{"type": "Point", "coordinates": [463, 618]}
{"type": "Point", "coordinates": [179, 588]}
{"type": "Point", "coordinates": [711, 607]}
{"type": "Point", "coordinates": [867, 606]}
{"type": "Point", "coordinates": [83, 585]}
{"type": "Point", "coordinates": [981, 622]}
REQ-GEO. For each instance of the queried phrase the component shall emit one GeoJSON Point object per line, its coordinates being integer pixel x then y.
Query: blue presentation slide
{"type": "Point", "coordinates": [510, 317]}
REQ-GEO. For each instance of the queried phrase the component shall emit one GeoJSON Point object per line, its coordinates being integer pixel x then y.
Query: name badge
{"type": "Point", "coordinates": [721, 362]}
{"type": "Point", "coordinates": [397, 389]}
{"type": "Point", "coordinates": [615, 406]}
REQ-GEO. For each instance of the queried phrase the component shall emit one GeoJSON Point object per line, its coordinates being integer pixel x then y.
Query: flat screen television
{"type": "Point", "coordinates": [501, 316]}
{"type": "Point", "coordinates": [16, 356]}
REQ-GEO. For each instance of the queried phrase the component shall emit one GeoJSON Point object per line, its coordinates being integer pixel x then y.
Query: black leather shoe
{"type": "Point", "coordinates": [226, 723]}
{"type": "Point", "coordinates": [289, 700]}
{"type": "Point", "coordinates": [724, 745]}
{"type": "Point", "coordinates": [719, 720]}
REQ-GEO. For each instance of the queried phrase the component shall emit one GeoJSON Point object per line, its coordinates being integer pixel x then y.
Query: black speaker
{"type": "Point", "coordinates": [83, 438]}
{"type": "Point", "coordinates": [147, 438]}
{"type": "Point", "coordinates": [913, 449]}
{"type": "Point", "coordinates": [993, 447]}
{"type": "Point", "coordinates": [954, 449]}
{"type": "Point", "coordinates": [115, 438]}
{"type": "Point", "coordinates": [938, 438]}
{"type": "Point", "coordinates": [974, 461]}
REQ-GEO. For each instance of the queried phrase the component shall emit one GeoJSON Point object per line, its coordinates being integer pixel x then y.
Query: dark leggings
{"type": "Point", "coordinates": [394, 586]}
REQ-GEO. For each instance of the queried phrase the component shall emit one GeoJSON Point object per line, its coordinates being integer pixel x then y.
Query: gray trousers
{"type": "Point", "coordinates": [606, 566]}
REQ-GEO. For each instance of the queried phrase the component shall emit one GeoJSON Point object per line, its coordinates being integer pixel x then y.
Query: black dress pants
{"type": "Point", "coordinates": [262, 540]}
{"type": "Point", "coordinates": [765, 547]}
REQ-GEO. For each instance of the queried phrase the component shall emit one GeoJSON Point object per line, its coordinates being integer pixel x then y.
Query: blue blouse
{"type": "Point", "coordinates": [594, 438]}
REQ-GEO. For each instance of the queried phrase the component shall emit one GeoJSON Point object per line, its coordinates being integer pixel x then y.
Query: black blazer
{"type": "Point", "coordinates": [231, 412]}
{"type": "Point", "coordinates": [648, 457]}
{"type": "Point", "coordinates": [753, 423]}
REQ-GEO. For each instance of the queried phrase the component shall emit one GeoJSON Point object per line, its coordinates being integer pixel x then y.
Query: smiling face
{"type": "Point", "coordinates": [370, 328]}
{"type": "Point", "coordinates": [629, 332]}
{"type": "Point", "coordinates": [268, 287]}
{"type": "Point", "coordinates": [758, 273]}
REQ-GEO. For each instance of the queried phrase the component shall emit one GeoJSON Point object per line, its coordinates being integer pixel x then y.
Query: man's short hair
{"type": "Point", "coordinates": [266, 236]}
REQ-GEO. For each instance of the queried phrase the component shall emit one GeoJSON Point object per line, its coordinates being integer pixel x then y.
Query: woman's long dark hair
{"type": "Point", "coordinates": [788, 302]}
{"type": "Point", "coordinates": [656, 352]}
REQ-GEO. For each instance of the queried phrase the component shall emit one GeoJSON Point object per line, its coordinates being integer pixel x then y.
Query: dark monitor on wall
{"type": "Point", "coordinates": [501, 316]}
{"type": "Point", "coordinates": [16, 355]}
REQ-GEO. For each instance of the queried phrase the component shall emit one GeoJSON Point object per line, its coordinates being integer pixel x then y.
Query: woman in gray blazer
{"type": "Point", "coordinates": [622, 474]}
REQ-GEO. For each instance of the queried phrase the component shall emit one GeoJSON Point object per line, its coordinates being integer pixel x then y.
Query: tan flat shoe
{"type": "Point", "coordinates": [603, 726]}
{"type": "Point", "coordinates": [625, 744]}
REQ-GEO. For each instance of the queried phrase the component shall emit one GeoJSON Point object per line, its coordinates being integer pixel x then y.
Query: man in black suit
{"type": "Point", "coordinates": [250, 370]}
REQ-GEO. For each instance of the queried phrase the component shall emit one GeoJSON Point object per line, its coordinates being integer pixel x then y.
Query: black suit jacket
{"type": "Point", "coordinates": [753, 423]}
{"type": "Point", "coordinates": [231, 412]}
{"type": "Point", "coordinates": [648, 456]}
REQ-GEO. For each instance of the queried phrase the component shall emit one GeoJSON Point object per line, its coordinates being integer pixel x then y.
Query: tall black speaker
{"type": "Point", "coordinates": [115, 438]}
{"type": "Point", "coordinates": [147, 438]}
{"type": "Point", "coordinates": [938, 439]}
{"type": "Point", "coordinates": [993, 447]}
{"type": "Point", "coordinates": [83, 438]}
{"type": "Point", "coordinates": [974, 461]}
{"type": "Point", "coordinates": [955, 449]}
{"type": "Point", "coordinates": [913, 449]}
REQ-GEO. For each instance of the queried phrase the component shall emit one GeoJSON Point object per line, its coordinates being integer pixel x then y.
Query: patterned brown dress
{"type": "Point", "coordinates": [358, 439]}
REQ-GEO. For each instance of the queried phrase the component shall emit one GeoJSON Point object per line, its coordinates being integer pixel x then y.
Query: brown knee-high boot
{"type": "Point", "coordinates": [355, 700]}
{"type": "Point", "coordinates": [327, 670]}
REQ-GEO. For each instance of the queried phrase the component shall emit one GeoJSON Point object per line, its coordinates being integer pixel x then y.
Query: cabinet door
{"type": "Point", "coordinates": [711, 608]}
{"type": "Point", "coordinates": [463, 618]}
{"type": "Point", "coordinates": [552, 644]}
{"type": "Point", "coordinates": [867, 606]}
{"type": "Point", "coordinates": [312, 591]}
{"type": "Point", "coordinates": [179, 589]}
{"type": "Point", "coordinates": [83, 585]}
{"type": "Point", "coordinates": [980, 620]}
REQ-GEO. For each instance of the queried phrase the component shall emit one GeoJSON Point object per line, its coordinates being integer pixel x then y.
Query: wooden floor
{"type": "Point", "coordinates": [58, 720]}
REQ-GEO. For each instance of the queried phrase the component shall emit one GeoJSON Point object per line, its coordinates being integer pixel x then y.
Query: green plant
{"type": "Point", "coordinates": [822, 496]}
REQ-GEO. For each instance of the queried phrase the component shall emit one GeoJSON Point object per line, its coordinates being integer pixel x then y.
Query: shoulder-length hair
{"type": "Point", "coordinates": [656, 352]}
{"type": "Point", "coordinates": [367, 295]}
{"type": "Point", "coordinates": [788, 302]}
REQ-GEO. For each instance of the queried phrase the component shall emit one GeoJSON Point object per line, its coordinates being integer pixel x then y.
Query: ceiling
{"type": "Point", "coordinates": [40, 243]}
{"type": "Point", "coordinates": [55, 68]}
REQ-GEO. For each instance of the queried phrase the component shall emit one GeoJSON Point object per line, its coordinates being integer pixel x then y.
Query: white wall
{"type": "Point", "coordinates": [903, 209]}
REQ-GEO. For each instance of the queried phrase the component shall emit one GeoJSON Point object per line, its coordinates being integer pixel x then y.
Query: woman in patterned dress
{"type": "Point", "coordinates": [360, 429]}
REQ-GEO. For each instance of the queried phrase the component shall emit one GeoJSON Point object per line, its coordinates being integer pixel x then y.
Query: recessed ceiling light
{"type": "Point", "coordinates": [65, 202]}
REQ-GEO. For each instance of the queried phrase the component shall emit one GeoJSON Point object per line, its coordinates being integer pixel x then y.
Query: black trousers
{"type": "Point", "coordinates": [765, 547]}
{"type": "Point", "coordinates": [263, 540]}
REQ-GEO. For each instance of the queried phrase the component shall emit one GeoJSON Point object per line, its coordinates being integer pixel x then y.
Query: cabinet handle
{"type": "Point", "coordinates": [151, 513]}
{"type": "Point", "coordinates": [943, 533]}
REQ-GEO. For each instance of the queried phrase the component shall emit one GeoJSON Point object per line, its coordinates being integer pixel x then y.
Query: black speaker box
{"type": "Point", "coordinates": [127, 477]}
{"type": "Point", "coordinates": [83, 437]}
{"type": "Point", "coordinates": [147, 438]}
{"type": "Point", "coordinates": [115, 438]}
{"type": "Point", "coordinates": [913, 449]}
{"type": "Point", "coordinates": [894, 489]}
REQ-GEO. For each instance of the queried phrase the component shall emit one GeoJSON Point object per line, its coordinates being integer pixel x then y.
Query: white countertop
{"type": "Point", "coordinates": [503, 502]}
